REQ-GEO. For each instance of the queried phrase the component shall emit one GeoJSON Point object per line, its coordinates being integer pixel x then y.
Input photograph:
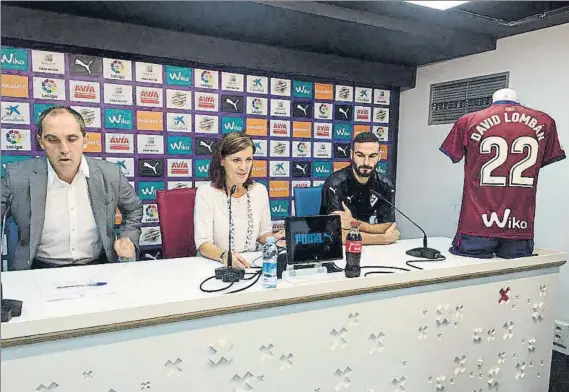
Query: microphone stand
{"type": "Point", "coordinates": [10, 307]}
{"type": "Point", "coordinates": [229, 273]}
{"type": "Point", "coordinates": [424, 251]}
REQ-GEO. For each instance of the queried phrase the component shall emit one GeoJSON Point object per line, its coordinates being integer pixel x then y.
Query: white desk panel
{"type": "Point", "coordinates": [446, 328]}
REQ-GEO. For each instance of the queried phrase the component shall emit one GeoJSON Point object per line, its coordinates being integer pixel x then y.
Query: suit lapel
{"type": "Point", "coordinates": [97, 194]}
{"type": "Point", "coordinates": [38, 193]}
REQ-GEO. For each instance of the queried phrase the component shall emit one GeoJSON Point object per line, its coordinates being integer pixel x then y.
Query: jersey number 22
{"type": "Point", "coordinates": [521, 145]}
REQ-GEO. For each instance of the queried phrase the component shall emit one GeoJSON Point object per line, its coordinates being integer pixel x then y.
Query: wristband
{"type": "Point", "coordinates": [221, 256]}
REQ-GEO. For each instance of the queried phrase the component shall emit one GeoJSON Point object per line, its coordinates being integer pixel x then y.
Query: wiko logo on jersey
{"type": "Point", "coordinates": [507, 221]}
{"type": "Point", "coordinates": [205, 145]}
{"type": "Point", "coordinates": [118, 119]}
{"type": "Point", "coordinates": [301, 168]}
{"type": "Point", "coordinates": [344, 113]}
{"type": "Point", "coordinates": [313, 238]}
{"type": "Point", "coordinates": [302, 89]}
{"type": "Point", "coordinates": [85, 65]}
{"type": "Point", "coordinates": [232, 103]}
{"type": "Point", "coordinates": [301, 109]}
{"type": "Point", "coordinates": [322, 169]}
{"type": "Point", "coordinates": [147, 189]}
{"type": "Point", "coordinates": [151, 167]}
{"type": "Point", "coordinates": [342, 150]}
{"type": "Point", "coordinates": [14, 59]}
{"type": "Point", "coordinates": [202, 168]}
{"type": "Point", "coordinates": [343, 131]}
{"type": "Point", "coordinates": [279, 209]}
{"type": "Point", "coordinates": [180, 145]}
{"type": "Point", "coordinates": [232, 124]}
{"type": "Point", "coordinates": [178, 76]}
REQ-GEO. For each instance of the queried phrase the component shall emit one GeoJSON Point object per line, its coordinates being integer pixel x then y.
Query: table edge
{"type": "Point", "coordinates": [174, 318]}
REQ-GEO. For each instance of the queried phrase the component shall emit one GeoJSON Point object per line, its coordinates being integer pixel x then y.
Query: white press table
{"type": "Point", "coordinates": [463, 324]}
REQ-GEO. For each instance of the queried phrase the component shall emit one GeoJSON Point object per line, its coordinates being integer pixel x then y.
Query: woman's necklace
{"type": "Point", "coordinates": [249, 223]}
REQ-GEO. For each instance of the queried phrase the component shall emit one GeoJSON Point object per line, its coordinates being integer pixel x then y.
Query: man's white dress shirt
{"type": "Point", "coordinates": [69, 230]}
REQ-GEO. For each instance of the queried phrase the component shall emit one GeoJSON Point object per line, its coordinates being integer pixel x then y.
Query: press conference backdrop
{"type": "Point", "coordinates": [160, 123]}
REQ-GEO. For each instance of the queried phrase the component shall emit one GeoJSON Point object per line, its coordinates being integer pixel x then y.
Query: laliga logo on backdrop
{"type": "Point", "coordinates": [207, 77]}
{"type": "Point", "coordinates": [507, 221]}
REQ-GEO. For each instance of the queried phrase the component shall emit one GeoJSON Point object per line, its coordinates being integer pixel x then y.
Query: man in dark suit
{"type": "Point", "coordinates": [64, 204]}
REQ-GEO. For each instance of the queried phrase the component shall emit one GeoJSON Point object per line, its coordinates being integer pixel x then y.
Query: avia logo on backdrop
{"type": "Point", "coordinates": [321, 169]}
{"type": "Point", "coordinates": [279, 209]}
{"type": "Point", "coordinates": [147, 189]}
{"type": "Point", "coordinates": [232, 124]}
{"type": "Point", "coordinates": [179, 145]}
{"type": "Point", "coordinates": [202, 168]}
{"type": "Point", "coordinates": [14, 59]}
{"type": "Point", "coordinates": [178, 76]}
{"type": "Point", "coordinates": [118, 119]}
{"type": "Point", "coordinates": [312, 238]}
{"type": "Point", "coordinates": [302, 89]}
{"type": "Point", "coordinates": [509, 222]}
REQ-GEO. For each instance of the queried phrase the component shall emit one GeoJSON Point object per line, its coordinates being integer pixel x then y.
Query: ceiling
{"type": "Point", "coordinates": [393, 32]}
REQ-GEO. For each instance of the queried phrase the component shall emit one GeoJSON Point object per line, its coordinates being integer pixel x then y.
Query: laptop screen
{"type": "Point", "coordinates": [312, 239]}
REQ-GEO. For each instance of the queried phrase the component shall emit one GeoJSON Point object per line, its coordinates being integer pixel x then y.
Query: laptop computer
{"type": "Point", "coordinates": [313, 239]}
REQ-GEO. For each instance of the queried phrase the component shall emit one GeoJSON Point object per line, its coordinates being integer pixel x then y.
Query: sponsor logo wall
{"type": "Point", "coordinates": [160, 123]}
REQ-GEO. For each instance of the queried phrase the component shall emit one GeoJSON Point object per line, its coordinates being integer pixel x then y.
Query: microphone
{"type": "Point", "coordinates": [230, 253]}
{"type": "Point", "coordinates": [228, 273]}
{"type": "Point", "coordinates": [424, 251]}
{"type": "Point", "coordinates": [10, 307]}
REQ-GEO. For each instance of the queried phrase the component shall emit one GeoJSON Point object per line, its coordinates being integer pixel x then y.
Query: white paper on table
{"type": "Point", "coordinates": [52, 290]}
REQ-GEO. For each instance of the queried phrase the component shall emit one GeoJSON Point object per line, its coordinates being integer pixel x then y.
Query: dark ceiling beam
{"type": "Point", "coordinates": [441, 35]}
{"type": "Point", "coordinates": [27, 25]}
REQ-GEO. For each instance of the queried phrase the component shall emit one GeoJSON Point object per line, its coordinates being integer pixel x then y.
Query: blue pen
{"type": "Point", "coordinates": [94, 284]}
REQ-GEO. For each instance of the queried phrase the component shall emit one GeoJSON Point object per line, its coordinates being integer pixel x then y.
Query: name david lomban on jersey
{"type": "Point", "coordinates": [488, 123]}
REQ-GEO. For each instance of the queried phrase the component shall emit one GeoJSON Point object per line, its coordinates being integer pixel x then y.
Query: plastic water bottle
{"type": "Point", "coordinates": [270, 254]}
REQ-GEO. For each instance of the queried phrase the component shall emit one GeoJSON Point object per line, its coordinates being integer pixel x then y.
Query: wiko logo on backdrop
{"type": "Point", "coordinates": [147, 189]}
{"type": "Point", "coordinates": [179, 145]}
{"type": "Point", "coordinates": [118, 119]}
{"type": "Point", "coordinates": [302, 89]}
{"type": "Point", "coordinates": [39, 108]}
{"type": "Point", "coordinates": [343, 131]}
{"type": "Point", "coordinates": [322, 169]}
{"type": "Point", "coordinates": [14, 59]}
{"type": "Point", "coordinates": [510, 222]}
{"type": "Point", "coordinates": [202, 168]}
{"type": "Point", "coordinates": [178, 76]}
{"type": "Point", "coordinates": [232, 124]}
{"type": "Point", "coordinates": [279, 209]}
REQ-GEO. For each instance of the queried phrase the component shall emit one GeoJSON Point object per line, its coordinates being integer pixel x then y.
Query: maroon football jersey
{"type": "Point", "coordinates": [504, 147]}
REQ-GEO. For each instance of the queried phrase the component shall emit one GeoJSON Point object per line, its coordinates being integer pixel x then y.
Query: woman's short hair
{"type": "Point", "coordinates": [230, 144]}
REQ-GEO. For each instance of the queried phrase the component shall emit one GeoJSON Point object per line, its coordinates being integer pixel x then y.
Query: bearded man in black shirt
{"type": "Point", "coordinates": [353, 193]}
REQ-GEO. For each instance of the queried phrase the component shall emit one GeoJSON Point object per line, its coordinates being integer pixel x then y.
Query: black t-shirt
{"type": "Point", "coordinates": [342, 186]}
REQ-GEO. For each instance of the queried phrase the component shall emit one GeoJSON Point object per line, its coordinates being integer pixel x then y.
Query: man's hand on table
{"type": "Point", "coordinates": [125, 248]}
{"type": "Point", "coordinates": [392, 234]}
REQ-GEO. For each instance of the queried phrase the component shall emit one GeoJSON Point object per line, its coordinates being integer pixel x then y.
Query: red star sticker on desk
{"type": "Point", "coordinates": [504, 295]}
